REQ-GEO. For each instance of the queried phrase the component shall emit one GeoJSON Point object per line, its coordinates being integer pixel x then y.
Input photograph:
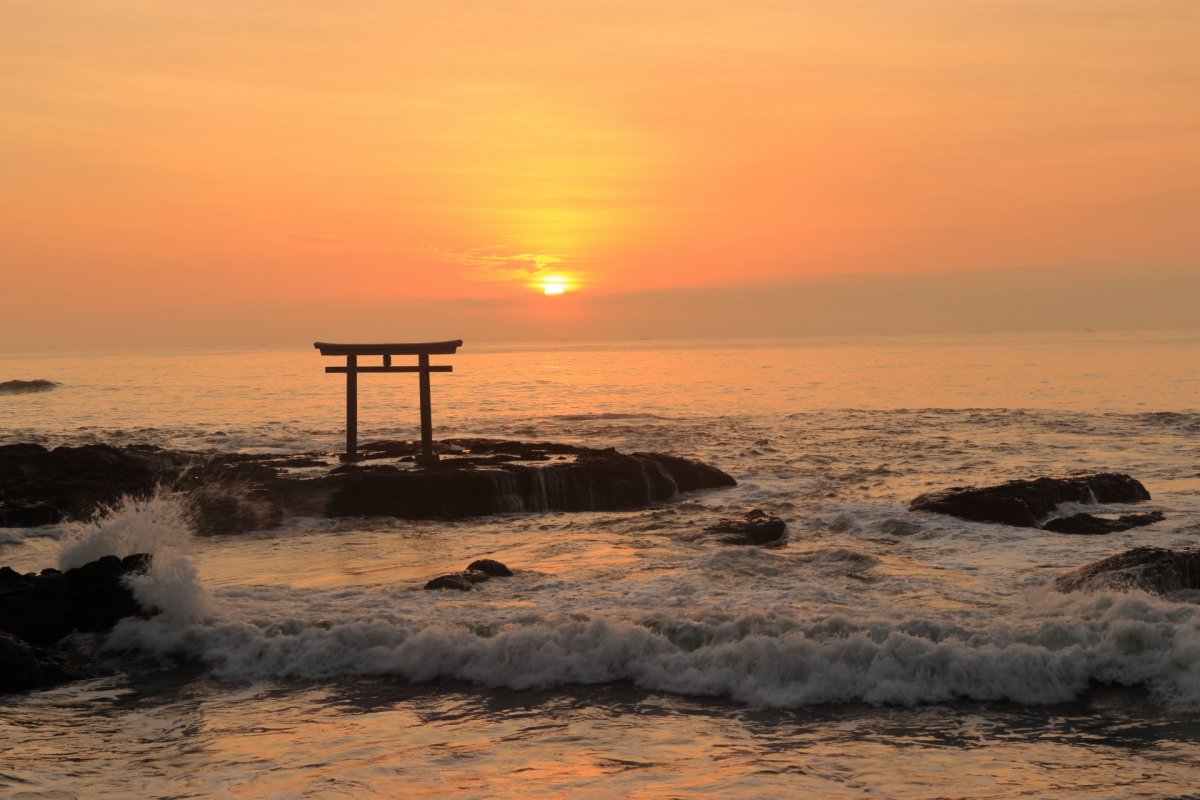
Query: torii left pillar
{"type": "Point", "coordinates": [422, 350]}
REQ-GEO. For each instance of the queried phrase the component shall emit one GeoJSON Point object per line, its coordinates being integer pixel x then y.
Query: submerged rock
{"type": "Point", "coordinates": [1151, 569]}
{"type": "Point", "coordinates": [27, 387]}
{"type": "Point", "coordinates": [463, 581]}
{"type": "Point", "coordinates": [756, 527]}
{"type": "Point", "coordinates": [477, 571]}
{"type": "Point", "coordinates": [1091, 525]}
{"type": "Point", "coordinates": [490, 567]}
{"type": "Point", "coordinates": [1025, 503]}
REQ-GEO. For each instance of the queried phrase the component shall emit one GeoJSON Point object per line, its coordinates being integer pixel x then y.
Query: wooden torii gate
{"type": "Point", "coordinates": [422, 350]}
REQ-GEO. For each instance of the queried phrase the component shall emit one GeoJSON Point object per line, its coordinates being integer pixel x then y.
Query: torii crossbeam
{"type": "Point", "coordinates": [422, 350]}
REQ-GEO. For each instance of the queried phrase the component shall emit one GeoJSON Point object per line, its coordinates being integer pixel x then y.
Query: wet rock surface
{"type": "Point", "coordinates": [26, 666]}
{"type": "Point", "coordinates": [1026, 503]}
{"type": "Point", "coordinates": [27, 387]}
{"type": "Point", "coordinates": [1091, 525]}
{"type": "Point", "coordinates": [490, 567]}
{"type": "Point", "coordinates": [476, 572]}
{"type": "Point", "coordinates": [43, 608]}
{"type": "Point", "coordinates": [1151, 569]}
{"type": "Point", "coordinates": [237, 493]}
{"type": "Point", "coordinates": [38, 610]}
{"type": "Point", "coordinates": [755, 527]}
{"type": "Point", "coordinates": [41, 487]}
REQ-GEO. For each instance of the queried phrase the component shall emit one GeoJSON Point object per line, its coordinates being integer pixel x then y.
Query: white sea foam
{"type": "Point", "coordinates": [1051, 651]}
{"type": "Point", "coordinates": [156, 525]}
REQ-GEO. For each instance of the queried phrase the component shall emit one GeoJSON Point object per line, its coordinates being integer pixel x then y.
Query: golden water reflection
{"type": "Point", "coordinates": [384, 739]}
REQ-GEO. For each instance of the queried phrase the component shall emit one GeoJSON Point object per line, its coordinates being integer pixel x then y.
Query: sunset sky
{"type": "Point", "coordinates": [249, 171]}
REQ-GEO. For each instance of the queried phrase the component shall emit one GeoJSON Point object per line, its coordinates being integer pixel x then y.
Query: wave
{"type": "Point", "coordinates": [603, 416]}
{"type": "Point", "coordinates": [158, 525]}
{"type": "Point", "coordinates": [1053, 653]}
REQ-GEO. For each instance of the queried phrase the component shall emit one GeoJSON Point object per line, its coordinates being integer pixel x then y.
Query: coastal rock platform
{"type": "Point", "coordinates": [1151, 569]}
{"type": "Point", "coordinates": [1034, 503]}
{"type": "Point", "coordinates": [37, 610]}
{"type": "Point", "coordinates": [233, 493]}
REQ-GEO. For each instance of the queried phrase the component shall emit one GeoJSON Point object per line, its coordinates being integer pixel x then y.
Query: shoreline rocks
{"type": "Point", "coordinates": [755, 527]}
{"type": "Point", "coordinates": [42, 487]}
{"type": "Point", "coordinates": [1152, 569]}
{"type": "Point", "coordinates": [477, 571]}
{"type": "Point", "coordinates": [1091, 525]}
{"type": "Point", "coordinates": [235, 493]}
{"type": "Point", "coordinates": [27, 387]}
{"type": "Point", "coordinates": [39, 610]}
{"type": "Point", "coordinates": [1028, 503]}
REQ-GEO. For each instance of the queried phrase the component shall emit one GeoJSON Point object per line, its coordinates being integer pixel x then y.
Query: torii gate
{"type": "Point", "coordinates": [422, 350]}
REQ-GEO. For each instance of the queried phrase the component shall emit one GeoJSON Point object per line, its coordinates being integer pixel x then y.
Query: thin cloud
{"type": "Point", "coordinates": [488, 263]}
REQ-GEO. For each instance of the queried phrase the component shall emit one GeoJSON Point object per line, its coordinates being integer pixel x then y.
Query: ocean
{"type": "Point", "coordinates": [878, 652]}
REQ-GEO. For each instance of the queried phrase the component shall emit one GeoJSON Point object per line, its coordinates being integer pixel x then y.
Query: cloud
{"type": "Point", "coordinates": [489, 263]}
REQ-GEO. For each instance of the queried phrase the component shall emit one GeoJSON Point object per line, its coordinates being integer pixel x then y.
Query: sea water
{"type": "Point", "coordinates": [877, 653]}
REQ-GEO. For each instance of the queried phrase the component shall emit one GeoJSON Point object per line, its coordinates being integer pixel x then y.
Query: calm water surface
{"type": "Point", "coordinates": [878, 653]}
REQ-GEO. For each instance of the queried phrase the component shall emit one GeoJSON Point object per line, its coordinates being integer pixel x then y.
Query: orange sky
{"type": "Point", "coordinates": [274, 157]}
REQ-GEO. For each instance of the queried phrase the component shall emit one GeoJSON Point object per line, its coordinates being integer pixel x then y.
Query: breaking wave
{"type": "Point", "coordinates": [157, 525]}
{"type": "Point", "coordinates": [1053, 652]}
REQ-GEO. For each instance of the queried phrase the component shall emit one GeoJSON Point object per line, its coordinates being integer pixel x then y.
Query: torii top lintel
{"type": "Point", "coordinates": [393, 349]}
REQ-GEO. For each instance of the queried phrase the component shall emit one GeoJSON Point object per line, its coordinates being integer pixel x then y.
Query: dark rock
{"type": "Point", "coordinates": [218, 510]}
{"type": "Point", "coordinates": [463, 581]}
{"type": "Point", "coordinates": [25, 666]}
{"type": "Point", "coordinates": [14, 514]}
{"type": "Point", "coordinates": [26, 387]}
{"type": "Point", "coordinates": [1024, 503]}
{"type": "Point", "coordinates": [594, 480]}
{"type": "Point", "coordinates": [37, 609]}
{"type": "Point", "coordinates": [40, 486]}
{"type": "Point", "coordinates": [99, 596]}
{"type": "Point", "coordinates": [489, 567]}
{"type": "Point", "coordinates": [135, 563]}
{"type": "Point", "coordinates": [237, 493]}
{"type": "Point", "coordinates": [1151, 569]}
{"type": "Point", "coordinates": [756, 527]}
{"type": "Point", "coordinates": [1090, 525]}
{"type": "Point", "coordinates": [41, 609]}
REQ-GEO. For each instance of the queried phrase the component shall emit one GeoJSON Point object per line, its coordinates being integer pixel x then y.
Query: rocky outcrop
{"type": "Point", "coordinates": [26, 387]}
{"type": "Point", "coordinates": [41, 487]}
{"type": "Point", "coordinates": [236, 493]}
{"type": "Point", "coordinates": [42, 608]}
{"type": "Point", "coordinates": [1091, 525]}
{"type": "Point", "coordinates": [490, 567]}
{"type": "Point", "coordinates": [38, 610]}
{"type": "Point", "coordinates": [1151, 569]}
{"type": "Point", "coordinates": [476, 572]}
{"type": "Point", "coordinates": [1026, 503]}
{"type": "Point", "coordinates": [591, 480]}
{"type": "Point", "coordinates": [25, 666]}
{"type": "Point", "coordinates": [756, 527]}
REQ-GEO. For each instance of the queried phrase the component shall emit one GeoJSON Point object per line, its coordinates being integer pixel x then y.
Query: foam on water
{"type": "Point", "coordinates": [156, 525]}
{"type": "Point", "coordinates": [1051, 650]}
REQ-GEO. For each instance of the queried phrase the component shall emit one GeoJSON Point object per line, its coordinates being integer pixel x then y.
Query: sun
{"type": "Point", "coordinates": [554, 284]}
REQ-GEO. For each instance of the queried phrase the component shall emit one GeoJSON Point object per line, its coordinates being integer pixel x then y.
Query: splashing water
{"type": "Point", "coordinates": [157, 525]}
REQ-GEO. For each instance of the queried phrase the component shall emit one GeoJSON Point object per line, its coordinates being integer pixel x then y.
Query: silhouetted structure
{"type": "Point", "coordinates": [422, 350]}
